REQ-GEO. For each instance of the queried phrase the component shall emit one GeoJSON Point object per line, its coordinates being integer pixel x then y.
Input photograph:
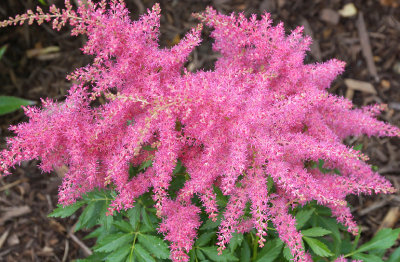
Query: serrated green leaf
{"type": "Point", "coordinates": [315, 232]}
{"type": "Point", "coordinates": [90, 215]}
{"type": "Point", "coordinates": [318, 247]}
{"type": "Point", "coordinates": [270, 251]}
{"type": "Point", "coordinates": [123, 226]}
{"type": "Point", "coordinates": [331, 225]}
{"type": "Point", "coordinates": [192, 255]}
{"type": "Point", "coordinates": [3, 50]}
{"type": "Point", "coordinates": [378, 252]}
{"type": "Point", "coordinates": [134, 215]}
{"type": "Point", "coordinates": [358, 147]}
{"type": "Point", "coordinates": [120, 254]}
{"type": "Point", "coordinates": [212, 253]}
{"type": "Point", "coordinates": [209, 224]}
{"type": "Point", "coordinates": [235, 241]}
{"type": "Point", "coordinates": [395, 256]}
{"type": "Point", "coordinates": [95, 233]}
{"type": "Point", "coordinates": [112, 242]}
{"type": "Point", "coordinates": [146, 219]}
{"type": "Point", "coordinates": [384, 239]}
{"type": "Point", "coordinates": [95, 257]}
{"type": "Point", "coordinates": [287, 254]}
{"type": "Point", "coordinates": [67, 211]}
{"type": "Point", "coordinates": [204, 239]}
{"type": "Point", "coordinates": [366, 257]}
{"type": "Point", "coordinates": [105, 219]}
{"type": "Point", "coordinates": [245, 253]}
{"type": "Point", "coordinates": [155, 245]}
{"type": "Point", "coordinates": [200, 255]}
{"type": "Point", "coordinates": [10, 104]}
{"type": "Point", "coordinates": [145, 165]}
{"type": "Point", "coordinates": [142, 254]}
{"type": "Point", "coordinates": [302, 217]}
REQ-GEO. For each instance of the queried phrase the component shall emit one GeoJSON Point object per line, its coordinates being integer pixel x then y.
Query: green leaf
{"type": "Point", "coordinates": [200, 255]}
{"type": "Point", "coordinates": [120, 254]}
{"type": "Point", "coordinates": [358, 147]}
{"type": "Point", "coordinates": [245, 252]}
{"type": "Point", "coordinates": [104, 219]}
{"type": "Point", "coordinates": [123, 226]}
{"type": "Point", "coordinates": [95, 257]}
{"type": "Point", "coordinates": [303, 216]}
{"type": "Point", "coordinates": [10, 104]}
{"type": "Point", "coordinates": [318, 247]}
{"type": "Point", "coordinates": [3, 50]}
{"type": "Point", "coordinates": [113, 242]}
{"type": "Point", "coordinates": [212, 253]}
{"type": "Point", "coordinates": [134, 215]}
{"type": "Point", "coordinates": [384, 239]}
{"type": "Point", "coordinates": [209, 224]}
{"type": "Point", "coordinates": [204, 239]}
{"type": "Point", "coordinates": [236, 241]}
{"type": "Point", "coordinates": [146, 219]}
{"type": "Point", "coordinates": [145, 165]}
{"type": "Point", "coordinates": [395, 256]}
{"type": "Point", "coordinates": [315, 232]}
{"type": "Point", "coordinates": [330, 224]}
{"type": "Point", "coordinates": [142, 254]}
{"type": "Point", "coordinates": [287, 254]}
{"type": "Point", "coordinates": [90, 215]}
{"type": "Point", "coordinates": [270, 251]}
{"type": "Point", "coordinates": [67, 211]}
{"type": "Point", "coordinates": [366, 257]}
{"type": "Point", "coordinates": [95, 233]}
{"type": "Point", "coordinates": [155, 245]}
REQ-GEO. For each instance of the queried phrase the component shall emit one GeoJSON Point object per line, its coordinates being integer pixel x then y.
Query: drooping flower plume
{"type": "Point", "coordinates": [260, 115]}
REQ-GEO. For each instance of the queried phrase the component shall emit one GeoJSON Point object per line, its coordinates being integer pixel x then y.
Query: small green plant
{"type": "Point", "coordinates": [132, 235]}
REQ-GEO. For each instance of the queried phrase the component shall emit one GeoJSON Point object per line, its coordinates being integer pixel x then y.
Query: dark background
{"type": "Point", "coordinates": [37, 60]}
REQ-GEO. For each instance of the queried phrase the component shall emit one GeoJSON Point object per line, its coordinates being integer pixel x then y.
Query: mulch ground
{"type": "Point", "coordinates": [363, 33]}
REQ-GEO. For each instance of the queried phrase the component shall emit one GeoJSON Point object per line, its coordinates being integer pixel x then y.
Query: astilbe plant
{"type": "Point", "coordinates": [261, 114]}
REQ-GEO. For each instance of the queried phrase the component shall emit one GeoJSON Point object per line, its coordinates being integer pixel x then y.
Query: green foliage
{"type": "Point", "coordinates": [10, 104]}
{"type": "Point", "coordinates": [3, 50]}
{"type": "Point", "coordinates": [132, 235]}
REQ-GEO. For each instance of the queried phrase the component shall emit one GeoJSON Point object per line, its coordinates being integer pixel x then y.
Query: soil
{"type": "Point", "coordinates": [367, 41]}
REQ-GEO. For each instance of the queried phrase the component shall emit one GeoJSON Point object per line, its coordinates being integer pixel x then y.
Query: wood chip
{"type": "Point", "coordinates": [374, 206]}
{"type": "Point", "coordinates": [31, 53]}
{"type": "Point", "coordinates": [392, 216]}
{"type": "Point", "coordinates": [392, 3]}
{"type": "Point", "coordinates": [8, 186]}
{"type": "Point", "coordinates": [3, 237]}
{"type": "Point", "coordinates": [314, 48]}
{"type": "Point", "coordinates": [268, 6]}
{"type": "Point", "coordinates": [329, 16]}
{"type": "Point", "coordinates": [86, 251]}
{"type": "Point", "coordinates": [396, 68]}
{"type": "Point", "coordinates": [385, 84]}
{"type": "Point", "coordinates": [366, 46]}
{"type": "Point", "coordinates": [360, 86]}
{"type": "Point", "coordinates": [348, 10]}
{"type": "Point", "coordinates": [14, 212]}
{"type": "Point", "coordinates": [13, 240]}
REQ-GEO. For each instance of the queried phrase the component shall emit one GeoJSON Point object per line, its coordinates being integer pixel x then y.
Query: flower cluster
{"type": "Point", "coordinates": [261, 115]}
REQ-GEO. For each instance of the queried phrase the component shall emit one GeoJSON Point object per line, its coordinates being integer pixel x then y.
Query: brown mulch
{"type": "Point", "coordinates": [37, 60]}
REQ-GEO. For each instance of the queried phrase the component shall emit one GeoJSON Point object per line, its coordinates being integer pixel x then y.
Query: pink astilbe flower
{"type": "Point", "coordinates": [260, 114]}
